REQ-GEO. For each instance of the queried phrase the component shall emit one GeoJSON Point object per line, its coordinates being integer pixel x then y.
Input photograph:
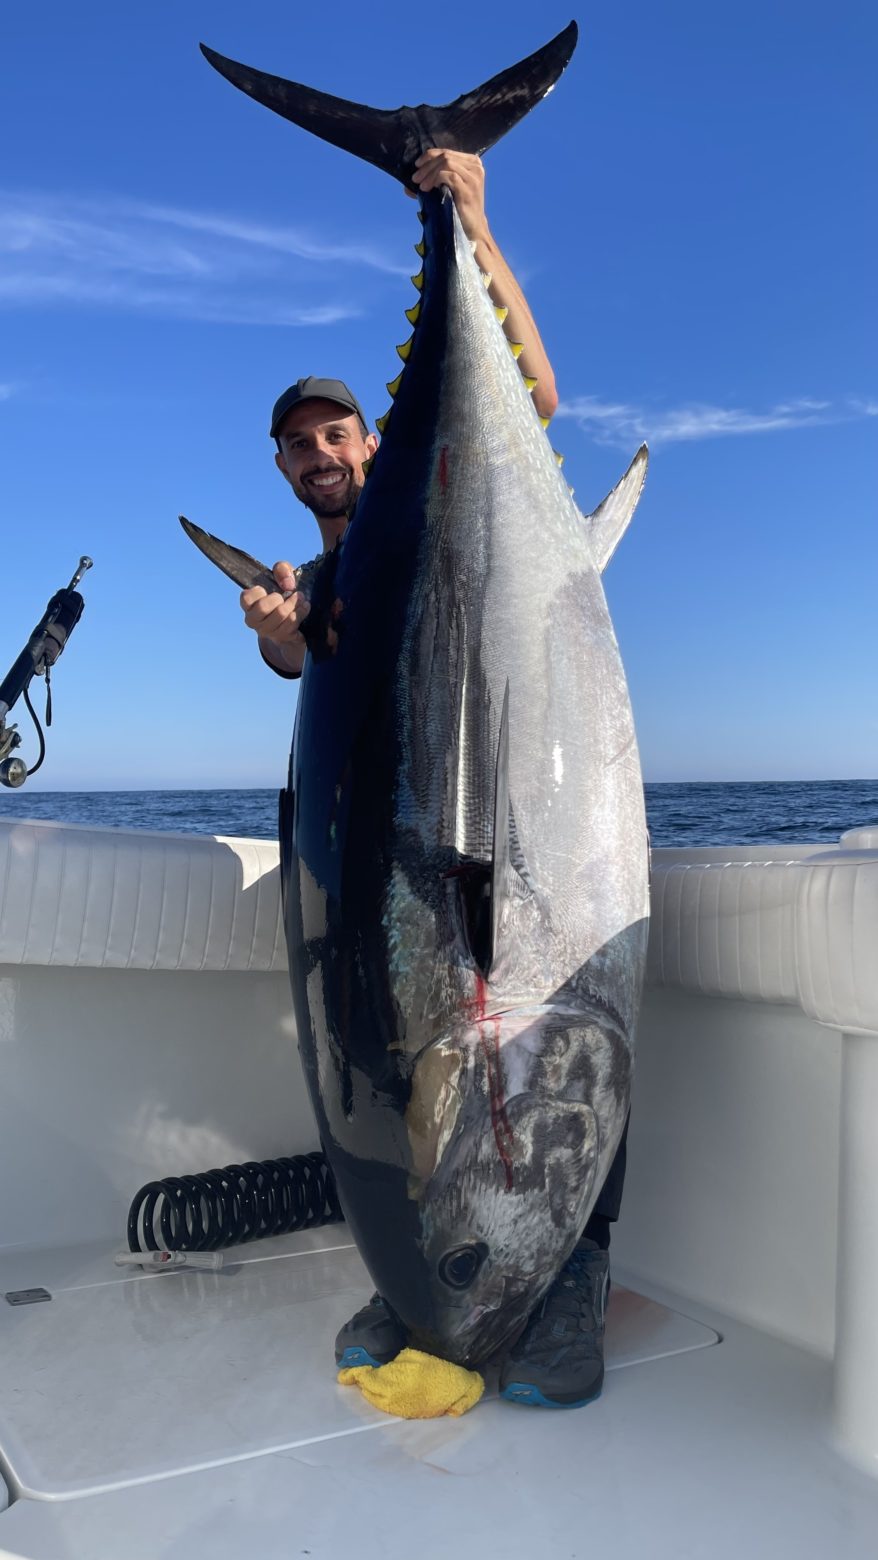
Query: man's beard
{"type": "Point", "coordinates": [330, 508]}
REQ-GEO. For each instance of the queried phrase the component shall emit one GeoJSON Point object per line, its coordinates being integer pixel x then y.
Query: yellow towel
{"type": "Point", "coordinates": [416, 1386]}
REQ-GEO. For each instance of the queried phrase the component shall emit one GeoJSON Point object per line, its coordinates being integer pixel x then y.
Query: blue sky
{"type": "Point", "coordinates": [692, 215]}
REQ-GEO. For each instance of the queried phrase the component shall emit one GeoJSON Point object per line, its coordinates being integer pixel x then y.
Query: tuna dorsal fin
{"type": "Point", "coordinates": [393, 139]}
{"type": "Point", "coordinates": [608, 523]}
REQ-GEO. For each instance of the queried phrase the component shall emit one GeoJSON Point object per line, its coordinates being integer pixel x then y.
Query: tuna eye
{"type": "Point", "coordinates": [458, 1268]}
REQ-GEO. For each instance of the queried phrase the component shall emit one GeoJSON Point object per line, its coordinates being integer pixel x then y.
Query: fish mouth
{"type": "Point", "coordinates": [484, 1332]}
{"type": "Point", "coordinates": [499, 1333]}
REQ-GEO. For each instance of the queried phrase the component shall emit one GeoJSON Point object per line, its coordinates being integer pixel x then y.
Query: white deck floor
{"type": "Point", "coordinates": [125, 1382]}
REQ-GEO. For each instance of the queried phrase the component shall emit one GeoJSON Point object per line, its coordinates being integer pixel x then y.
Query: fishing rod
{"type": "Point", "coordinates": [36, 660]}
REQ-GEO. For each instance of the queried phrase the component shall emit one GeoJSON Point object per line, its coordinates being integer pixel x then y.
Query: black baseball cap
{"type": "Point", "coordinates": [312, 389]}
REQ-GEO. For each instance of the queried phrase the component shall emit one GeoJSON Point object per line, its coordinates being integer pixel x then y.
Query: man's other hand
{"type": "Point", "coordinates": [276, 617]}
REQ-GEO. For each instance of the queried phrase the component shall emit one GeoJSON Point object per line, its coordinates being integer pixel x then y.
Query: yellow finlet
{"type": "Point", "coordinates": [414, 313]}
{"type": "Point", "coordinates": [545, 421]}
{"type": "Point", "coordinates": [421, 218]}
{"type": "Point", "coordinates": [405, 350]}
{"type": "Point", "coordinates": [500, 313]}
{"type": "Point", "coordinates": [559, 458]}
{"type": "Point", "coordinates": [367, 465]}
{"type": "Point", "coordinates": [570, 490]}
{"type": "Point", "coordinates": [421, 248]}
{"type": "Point", "coordinates": [394, 385]}
{"type": "Point", "coordinates": [516, 348]}
{"type": "Point", "coordinates": [381, 422]}
{"type": "Point", "coordinates": [529, 384]}
{"type": "Point", "coordinates": [418, 281]}
{"type": "Point", "coordinates": [487, 278]}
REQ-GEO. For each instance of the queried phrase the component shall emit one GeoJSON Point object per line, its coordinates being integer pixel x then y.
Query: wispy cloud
{"type": "Point", "coordinates": [60, 251]}
{"type": "Point", "coordinates": [283, 240]}
{"type": "Point", "coordinates": [617, 422]}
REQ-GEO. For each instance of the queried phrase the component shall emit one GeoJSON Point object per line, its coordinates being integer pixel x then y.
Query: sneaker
{"type": "Point", "coordinates": [558, 1362]}
{"type": "Point", "coordinates": [372, 1337]}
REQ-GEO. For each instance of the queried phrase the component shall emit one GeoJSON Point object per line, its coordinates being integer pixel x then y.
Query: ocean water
{"type": "Point", "coordinates": [680, 813]}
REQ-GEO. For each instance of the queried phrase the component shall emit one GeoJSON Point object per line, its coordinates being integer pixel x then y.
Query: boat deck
{"type": "Point", "coordinates": [198, 1413]}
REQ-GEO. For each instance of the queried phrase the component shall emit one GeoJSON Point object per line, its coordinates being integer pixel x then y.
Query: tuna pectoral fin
{"type": "Point", "coordinates": [393, 139]}
{"type": "Point", "coordinates": [240, 566]}
{"type": "Point", "coordinates": [501, 864]}
{"type": "Point", "coordinates": [609, 521]}
{"type": "Point", "coordinates": [485, 891]}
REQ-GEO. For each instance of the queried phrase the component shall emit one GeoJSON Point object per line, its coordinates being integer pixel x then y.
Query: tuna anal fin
{"type": "Point", "coordinates": [608, 523]}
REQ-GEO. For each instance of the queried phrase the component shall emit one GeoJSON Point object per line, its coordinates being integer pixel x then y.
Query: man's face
{"type": "Point", "coordinates": [322, 449]}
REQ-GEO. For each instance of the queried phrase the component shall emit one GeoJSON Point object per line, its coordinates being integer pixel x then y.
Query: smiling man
{"type": "Point", "coordinates": [322, 442]}
{"type": "Point", "coordinates": [322, 435]}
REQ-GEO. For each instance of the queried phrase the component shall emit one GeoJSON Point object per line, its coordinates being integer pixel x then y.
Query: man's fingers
{"type": "Point", "coordinates": [446, 154]}
{"type": "Point", "coordinates": [286, 634]}
{"type": "Point", "coordinates": [258, 611]}
{"type": "Point", "coordinates": [277, 617]}
{"type": "Point", "coordinates": [460, 165]}
{"type": "Point", "coordinates": [283, 573]}
{"type": "Point", "coordinates": [444, 173]}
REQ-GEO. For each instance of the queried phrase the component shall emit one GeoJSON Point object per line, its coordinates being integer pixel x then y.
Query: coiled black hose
{"type": "Point", "coordinates": [227, 1207]}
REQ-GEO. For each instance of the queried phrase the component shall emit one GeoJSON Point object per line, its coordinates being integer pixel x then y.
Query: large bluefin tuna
{"type": "Point", "coordinates": [464, 847]}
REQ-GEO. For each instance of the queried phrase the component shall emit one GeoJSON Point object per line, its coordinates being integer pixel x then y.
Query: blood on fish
{"type": "Point", "coordinates": [489, 1039]}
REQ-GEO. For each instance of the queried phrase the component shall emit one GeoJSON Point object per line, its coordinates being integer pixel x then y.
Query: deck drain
{"type": "Point", "coordinates": [27, 1296]}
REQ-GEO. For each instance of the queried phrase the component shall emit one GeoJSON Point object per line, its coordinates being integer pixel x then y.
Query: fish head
{"type": "Point", "coordinates": [507, 1170]}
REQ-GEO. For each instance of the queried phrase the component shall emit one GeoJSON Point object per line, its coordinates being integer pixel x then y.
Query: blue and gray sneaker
{"type": "Point", "coordinates": [558, 1362]}
{"type": "Point", "coordinates": [372, 1337]}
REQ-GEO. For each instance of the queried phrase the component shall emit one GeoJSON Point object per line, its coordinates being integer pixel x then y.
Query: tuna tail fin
{"type": "Point", "coordinates": [608, 523]}
{"type": "Point", "coordinates": [393, 139]}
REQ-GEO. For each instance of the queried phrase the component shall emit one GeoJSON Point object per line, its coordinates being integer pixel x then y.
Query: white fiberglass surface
{"type": "Point", "coordinates": [712, 1454]}
{"type": "Point", "coordinates": [119, 1380]}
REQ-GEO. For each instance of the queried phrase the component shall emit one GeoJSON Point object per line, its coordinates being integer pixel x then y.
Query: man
{"type": "Point", "coordinates": [322, 441]}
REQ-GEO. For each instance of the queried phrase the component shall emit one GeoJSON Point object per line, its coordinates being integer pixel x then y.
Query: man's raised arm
{"type": "Point", "coordinates": [464, 175]}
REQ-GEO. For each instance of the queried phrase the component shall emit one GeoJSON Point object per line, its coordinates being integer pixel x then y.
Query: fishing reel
{"type": "Point", "coordinates": [36, 660]}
